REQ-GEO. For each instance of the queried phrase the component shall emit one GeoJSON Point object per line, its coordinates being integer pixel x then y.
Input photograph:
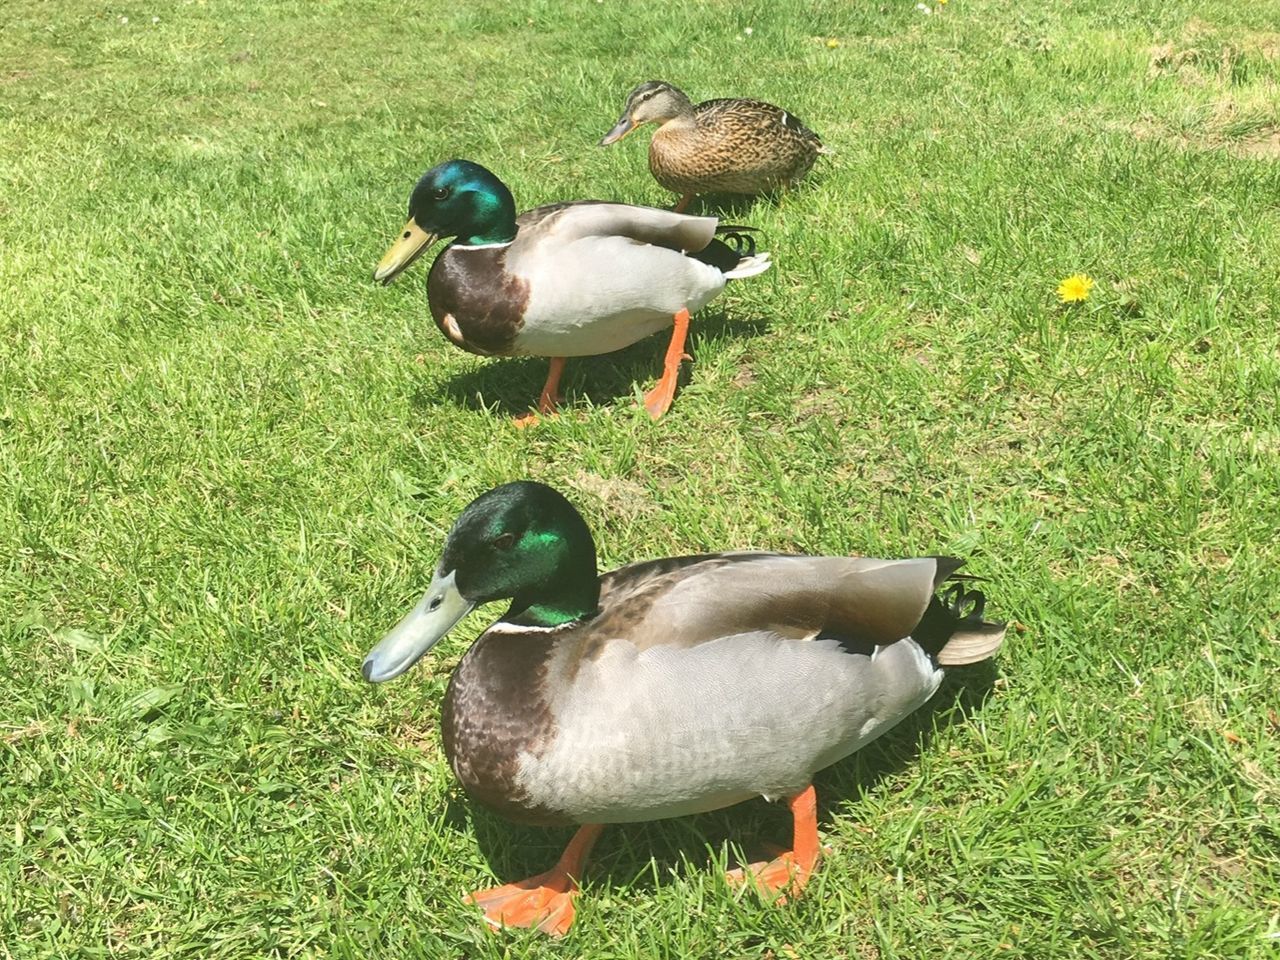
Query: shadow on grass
{"type": "Point", "coordinates": [737, 207]}
{"type": "Point", "coordinates": [729, 207]}
{"type": "Point", "coordinates": [628, 854]}
{"type": "Point", "coordinates": [510, 386]}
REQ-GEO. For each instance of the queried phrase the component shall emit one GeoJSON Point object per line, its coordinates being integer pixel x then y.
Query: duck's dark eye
{"type": "Point", "coordinates": [440, 193]}
{"type": "Point", "coordinates": [505, 542]}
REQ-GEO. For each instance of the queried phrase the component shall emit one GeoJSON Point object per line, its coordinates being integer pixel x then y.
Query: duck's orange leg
{"type": "Point", "coordinates": [544, 901]}
{"type": "Point", "coordinates": [787, 874]}
{"type": "Point", "coordinates": [683, 205]}
{"type": "Point", "coordinates": [549, 399]}
{"type": "Point", "coordinates": [658, 400]}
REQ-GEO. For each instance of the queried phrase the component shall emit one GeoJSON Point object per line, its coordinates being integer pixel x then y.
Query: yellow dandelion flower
{"type": "Point", "coordinates": [832, 43]}
{"type": "Point", "coordinates": [1075, 289]}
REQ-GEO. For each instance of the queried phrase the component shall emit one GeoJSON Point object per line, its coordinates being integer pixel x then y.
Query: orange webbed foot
{"type": "Point", "coordinates": [785, 876]}
{"type": "Point", "coordinates": [548, 400]}
{"type": "Point", "coordinates": [544, 902]}
{"type": "Point", "coordinates": [525, 420]}
{"type": "Point", "coordinates": [658, 400]}
{"type": "Point", "coordinates": [546, 408]}
{"type": "Point", "coordinates": [780, 879]}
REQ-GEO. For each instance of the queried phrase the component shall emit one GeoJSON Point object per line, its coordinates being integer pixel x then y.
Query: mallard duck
{"type": "Point", "coordinates": [563, 280]}
{"type": "Point", "coordinates": [667, 687]}
{"type": "Point", "coordinates": [719, 146]}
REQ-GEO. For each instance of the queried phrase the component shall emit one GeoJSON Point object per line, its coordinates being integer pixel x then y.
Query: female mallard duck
{"type": "Point", "coordinates": [667, 687]}
{"type": "Point", "coordinates": [719, 146]}
{"type": "Point", "coordinates": [564, 280]}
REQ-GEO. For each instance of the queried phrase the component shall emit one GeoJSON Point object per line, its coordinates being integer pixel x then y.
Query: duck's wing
{"type": "Point", "coordinates": [692, 600]}
{"type": "Point", "coordinates": [754, 117]}
{"type": "Point", "coordinates": [563, 223]}
{"type": "Point", "coordinates": [762, 668]}
{"type": "Point", "coordinates": [603, 275]}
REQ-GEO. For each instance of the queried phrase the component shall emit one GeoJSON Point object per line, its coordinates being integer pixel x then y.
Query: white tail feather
{"type": "Point", "coordinates": [750, 266]}
{"type": "Point", "coordinates": [971, 645]}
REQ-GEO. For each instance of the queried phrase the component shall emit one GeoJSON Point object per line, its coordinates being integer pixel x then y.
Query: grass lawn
{"type": "Point", "coordinates": [228, 461]}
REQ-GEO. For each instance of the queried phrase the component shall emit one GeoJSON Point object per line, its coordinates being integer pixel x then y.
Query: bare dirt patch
{"type": "Point", "coordinates": [617, 495]}
{"type": "Point", "coordinates": [1267, 148]}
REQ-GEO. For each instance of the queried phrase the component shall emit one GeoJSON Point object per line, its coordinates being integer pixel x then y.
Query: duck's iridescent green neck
{"type": "Point", "coordinates": [493, 219]}
{"type": "Point", "coordinates": [551, 615]}
{"type": "Point", "coordinates": [568, 587]}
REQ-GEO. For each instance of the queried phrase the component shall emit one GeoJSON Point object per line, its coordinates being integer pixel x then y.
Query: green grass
{"type": "Point", "coordinates": [228, 461]}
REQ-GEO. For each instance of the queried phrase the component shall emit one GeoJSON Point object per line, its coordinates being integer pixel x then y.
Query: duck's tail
{"type": "Point", "coordinates": [749, 267]}
{"type": "Point", "coordinates": [952, 628]}
{"type": "Point", "coordinates": [733, 253]}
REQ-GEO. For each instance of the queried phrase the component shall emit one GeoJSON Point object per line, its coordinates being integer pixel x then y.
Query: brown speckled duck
{"type": "Point", "coordinates": [667, 687]}
{"type": "Point", "coordinates": [719, 146]}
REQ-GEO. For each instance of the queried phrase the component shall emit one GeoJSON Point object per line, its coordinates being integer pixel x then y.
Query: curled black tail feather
{"type": "Point", "coordinates": [731, 246]}
{"type": "Point", "coordinates": [953, 630]}
{"type": "Point", "coordinates": [964, 605]}
{"type": "Point", "coordinates": [739, 238]}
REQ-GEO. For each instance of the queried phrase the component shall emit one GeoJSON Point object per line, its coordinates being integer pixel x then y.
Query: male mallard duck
{"type": "Point", "coordinates": [719, 146]}
{"type": "Point", "coordinates": [564, 280]}
{"type": "Point", "coordinates": [667, 687]}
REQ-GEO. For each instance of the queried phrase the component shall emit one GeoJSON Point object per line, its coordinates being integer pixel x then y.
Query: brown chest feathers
{"type": "Point", "coordinates": [474, 301]}
{"type": "Point", "coordinates": [493, 714]}
{"type": "Point", "coordinates": [732, 146]}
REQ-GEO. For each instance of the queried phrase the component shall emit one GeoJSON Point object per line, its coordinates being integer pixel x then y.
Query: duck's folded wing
{"type": "Point", "coordinates": [865, 601]}
{"type": "Point", "coordinates": [566, 222]}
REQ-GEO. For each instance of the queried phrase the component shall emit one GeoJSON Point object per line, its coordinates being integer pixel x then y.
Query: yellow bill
{"type": "Point", "coordinates": [413, 243]}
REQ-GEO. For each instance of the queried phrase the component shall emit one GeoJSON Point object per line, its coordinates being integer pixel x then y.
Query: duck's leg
{"type": "Point", "coordinates": [544, 901]}
{"type": "Point", "coordinates": [787, 874]}
{"type": "Point", "coordinates": [658, 400]}
{"type": "Point", "coordinates": [549, 399]}
{"type": "Point", "coordinates": [684, 203]}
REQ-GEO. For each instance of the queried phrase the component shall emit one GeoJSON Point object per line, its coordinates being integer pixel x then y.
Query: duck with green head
{"type": "Point", "coordinates": [564, 280]}
{"type": "Point", "coordinates": [667, 687]}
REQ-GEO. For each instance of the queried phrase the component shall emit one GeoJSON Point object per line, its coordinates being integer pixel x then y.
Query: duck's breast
{"type": "Point", "coordinates": [666, 731]}
{"type": "Point", "coordinates": [495, 713]}
{"type": "Point", "coordinates": [475, 301]}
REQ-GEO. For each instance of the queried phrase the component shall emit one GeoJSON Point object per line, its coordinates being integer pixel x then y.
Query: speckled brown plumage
{"type": "Point", "coordinates": [732, 146]}
{"type": "Point", "coordinates": [494, 711]}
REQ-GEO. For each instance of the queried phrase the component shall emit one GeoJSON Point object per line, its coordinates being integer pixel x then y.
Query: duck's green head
{"type": "Point", "coordinates": [522, 541]}
{"type": "Point", "coordinates": [457, 198]}
{"type": "Point", "coordinates": [653, 101]}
